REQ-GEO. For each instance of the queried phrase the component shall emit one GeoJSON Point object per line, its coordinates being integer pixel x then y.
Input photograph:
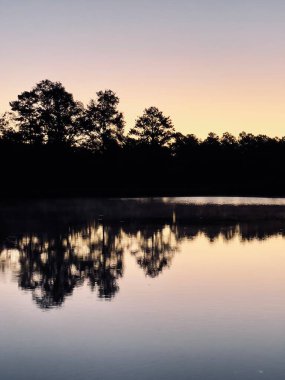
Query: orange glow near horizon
{"type": "Point", "coordinates": [211, 68]}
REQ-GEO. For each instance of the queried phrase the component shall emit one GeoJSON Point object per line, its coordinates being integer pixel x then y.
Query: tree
{"type": "Point", "coordinates": [153, 128]}
{"type": "Point", "coordinates": [8, 133]}
{"type": "Point", "coordinates": [3, 125]}
{"type": "Point", "coordinates": [212, 141]}
{"type": "Point", "coordinates": [47, 114]}
{"type": "Point", "coordinates": [247, 141]}
{"type": "Point", "coordinates": [103, 125]}
{"type": "Point", "coordinates": [184, 144]}
{"type": "Point", "coordinates": [228, 141]}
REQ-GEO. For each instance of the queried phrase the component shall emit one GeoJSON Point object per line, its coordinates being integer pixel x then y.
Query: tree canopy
{"type": "Point", "coordinates": [47, 114]}
{"type": "Point", "coordinates": [48, 136]}
{"type": "Point", "coordinates": [153, 128]}
{"type": "Point", "coordinates": [102, 124]}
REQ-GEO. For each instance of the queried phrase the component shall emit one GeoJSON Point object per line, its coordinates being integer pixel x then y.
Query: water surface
{"type": "Point", "coordinates": [84, 296]}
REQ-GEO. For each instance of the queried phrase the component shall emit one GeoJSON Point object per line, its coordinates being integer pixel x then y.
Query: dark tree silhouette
{"type": "Point", "coordinates": [184, 144]}
{"type": "Point", "coordinates": [229, 141]}
{"type": "Point", "coordinates": [49, 136]}
{"type": "Point", "coordinates": [212, 140]}
{"type": "Point", "coordinates": [47, 114]}
{"type": "Point", "coordinates": [8, 132]}
{"type": "Point", "coordinates": [3, 124]}
{"type": "Point", "coordinates": [102, 124]}
{"type": "Point", "coordinates": [153, 128]}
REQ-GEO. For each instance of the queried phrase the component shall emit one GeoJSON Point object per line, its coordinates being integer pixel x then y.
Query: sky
{"type": "Point", "coordinates": [211, 65]}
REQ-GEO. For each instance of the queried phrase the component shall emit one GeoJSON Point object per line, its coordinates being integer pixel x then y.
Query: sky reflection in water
{"type": "Point", "coordinates": [142, 299]}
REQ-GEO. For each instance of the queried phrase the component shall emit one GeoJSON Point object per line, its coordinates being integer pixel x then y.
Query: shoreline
{"type": "Point", "coordinates": [166, 210]}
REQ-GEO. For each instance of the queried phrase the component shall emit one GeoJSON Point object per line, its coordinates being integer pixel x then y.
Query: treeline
{"type": "Point", "coordinates": [51, 144]}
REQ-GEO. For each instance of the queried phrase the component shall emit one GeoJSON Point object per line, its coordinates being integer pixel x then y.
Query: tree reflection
{"type": "Point", "coordinates": [51, 264]}
{"type": "Point", "coordinates": [156, 246]}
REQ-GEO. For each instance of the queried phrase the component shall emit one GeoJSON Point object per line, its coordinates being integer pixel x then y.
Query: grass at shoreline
{"type": "Point", "coordinates": [148, 209]}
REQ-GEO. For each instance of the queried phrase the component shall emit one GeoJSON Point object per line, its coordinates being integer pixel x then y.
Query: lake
{"type": "Point", "coordinates": [145, 289]}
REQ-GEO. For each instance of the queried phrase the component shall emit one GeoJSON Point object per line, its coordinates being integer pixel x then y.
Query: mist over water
{"type": "Point", "coordinates": [106, 289]}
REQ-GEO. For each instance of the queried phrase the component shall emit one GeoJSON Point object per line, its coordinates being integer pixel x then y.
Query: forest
{"type": "Point", "coordinates": [53, 145]}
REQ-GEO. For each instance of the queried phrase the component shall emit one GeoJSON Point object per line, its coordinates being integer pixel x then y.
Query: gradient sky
{"type": "Point", "coordinates": [212, 65]}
